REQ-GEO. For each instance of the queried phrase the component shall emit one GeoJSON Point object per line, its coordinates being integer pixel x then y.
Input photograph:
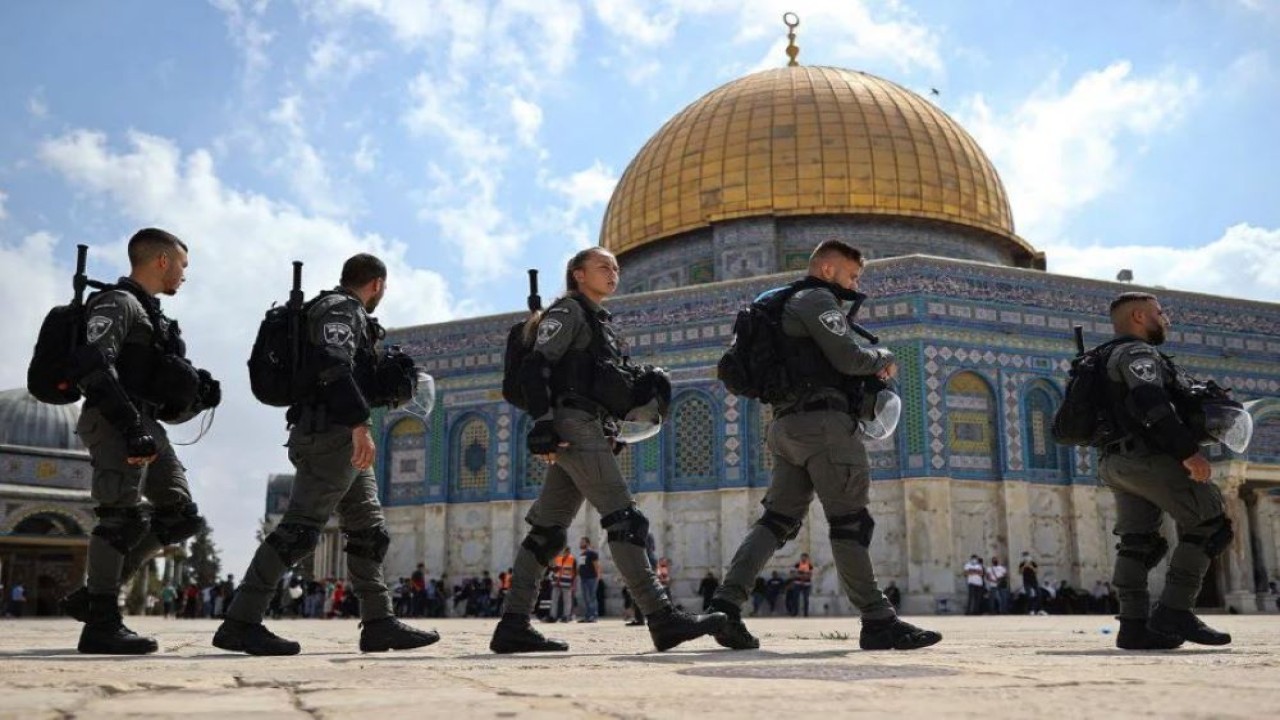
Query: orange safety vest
{"type": "Point", "coordinates": [564, 569]}
{"type": "Point", "coordinates": [804, 571]}
{"type": "Point", "coordinates": [505, 582]}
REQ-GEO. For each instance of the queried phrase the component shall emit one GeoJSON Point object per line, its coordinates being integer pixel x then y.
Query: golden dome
{"type": "Point", "coordinates": [806, 140]}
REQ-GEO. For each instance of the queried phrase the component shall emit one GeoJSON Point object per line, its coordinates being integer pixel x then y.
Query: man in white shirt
{"type": "Point", "coordinates": [998, 586]}
{"type": "Point", "coordinates": [974, 575]}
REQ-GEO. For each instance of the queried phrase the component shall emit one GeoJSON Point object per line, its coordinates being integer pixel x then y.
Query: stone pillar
{"type": "Point", "coordinates": [1239, 592]}
{"type": "Point", "coordinates": [1264, 517]}
{"type": "Point", "coordinates": [1017, 525]}
{"type": "Point", "coordinates": [505, 533]}
{"type": "Point", "coordinates": [1092, 561]}
{"type": "Point", "coordinates": [932, 572]}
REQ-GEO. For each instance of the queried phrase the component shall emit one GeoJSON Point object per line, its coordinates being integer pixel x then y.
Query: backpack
{"type": "Point", "coordinates": [753, 366]}
{"type": "Point", "coordinates": [52, 372]}
{"type": "Point", "coordinates": [275, 362]}
{"type": "Point", "coordinates": [1085, 418]}
{"type": "Point", "coordinates": [519, 345]}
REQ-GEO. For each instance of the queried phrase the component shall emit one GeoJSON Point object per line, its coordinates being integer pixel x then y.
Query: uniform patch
{"type": "Point", "coordinates": [564, 310]}
{"type": "Point", "coordinates": [1144, 369]}
{"type": "Point", "coordinates": [548, 329]}
{"type": "Point", "coordinates": [833, 320]}
{"type": "Point", "coordinates": [339, 334]}
{"type": "Point", "coordinates": [98, 326]}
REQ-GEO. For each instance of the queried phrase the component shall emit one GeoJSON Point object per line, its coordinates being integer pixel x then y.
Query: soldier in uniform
{"type": "Point", "coordinates": [332, 448]}
{"type": "Point", "coordinates": [816, 448]}
{"type": "Point", "coordinates": [133, 373]}
{"type": "Point", "coordinates": [573, 432]}
{"type": "Point", "coordinates": [1157, 469]}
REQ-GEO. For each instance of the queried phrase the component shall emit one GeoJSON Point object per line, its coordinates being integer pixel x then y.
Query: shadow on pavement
{"type": "Point", "coordinates": [732, 656]}
{"type": "Point", "coordinates": [1115, 652]}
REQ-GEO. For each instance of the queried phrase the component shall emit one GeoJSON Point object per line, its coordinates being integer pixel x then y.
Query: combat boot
{"type": "Point", "coordinates": [734, 635]}
{"type": "Point", "coordinates": [104, 632]}
{"type": "Point", "coordinates": [669, 627]}
{"type": "Point", "coordinates": [1134, 635]}
{"type": "Point", "coordinates": [76, 605]}
{"type": "Point", "coordinates": [1185, 624]}
{"type": "Point", "coordinates": [893, 633]}
{"type": "Point", "coordinates": [515, 634]}
{"type": "Point", "coordinates": [252, 638]}
{"type": "Point", "coordinates": [389, 633]}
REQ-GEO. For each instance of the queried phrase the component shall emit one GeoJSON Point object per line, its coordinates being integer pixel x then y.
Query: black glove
{"type": "Point", "coordinates": [618, 446]}
{"type": "Point", "coordinates": [210, 390]}
{"type": "Point", "coordinates": [138, 443]}
{"type": "Point", "coordinates": [543, 438]}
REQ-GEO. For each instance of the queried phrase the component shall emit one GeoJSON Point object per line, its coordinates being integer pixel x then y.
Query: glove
{"type": "Point", "coordinates": [210, 390]}
{"type": "Point", "coordinates": [619, 446]}
{"type": "Point", "coordinates": [138, 443]}
{"type": "Point", "coordinates": [543, 438]}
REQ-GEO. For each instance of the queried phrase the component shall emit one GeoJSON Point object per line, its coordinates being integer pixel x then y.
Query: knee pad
{"type": "Point", "coordinates": [173, 524]}
{"type": "Point", "coordinates": [121, 528]}
{"type": "Point", "coordinates": [293, 541]}
{"type": "Point", "coordinates": [1146, 548]}
{"type": "Point", "coordinates": [545, 542]}
{"type": "Point", "coordinates": [1214, 535]}
{"type": "Point", "coordinates": [783, 528]}
{"type": "Point", "coordinates": [857, 526]}
{"type": "Point", "coordinates": [626, 525]}
{"type": "Point", "coordinates": [369, 543]}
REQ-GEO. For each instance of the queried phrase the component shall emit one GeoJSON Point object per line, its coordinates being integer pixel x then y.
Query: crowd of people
{"type": "Point", "coordinates": [990, 592]}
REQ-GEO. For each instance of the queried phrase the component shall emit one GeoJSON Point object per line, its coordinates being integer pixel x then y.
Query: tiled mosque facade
{"type": "Point", "coordinates": [983, 353]}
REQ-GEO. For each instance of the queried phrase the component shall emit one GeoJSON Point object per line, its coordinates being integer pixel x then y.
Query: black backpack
{"type": "Point", "coordinates": [51, 374]}
{"type": "Point", "coordinates": [1085, 418]}
{"type": "Point", "coordinates": [519, 345]}
{"type": "Point", "coordinates": [753, 367]}
{"type": "Point", "coordinates": [275, 363]}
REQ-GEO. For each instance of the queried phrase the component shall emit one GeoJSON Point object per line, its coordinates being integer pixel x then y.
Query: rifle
{"type": "Point", "coordinates": [295, 322]}
{"type": "Point", "coordinates": [535, 300]}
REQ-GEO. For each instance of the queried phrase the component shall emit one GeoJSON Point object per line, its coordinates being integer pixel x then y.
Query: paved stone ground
{"type": "Point", "coordinates": [1044, 667]}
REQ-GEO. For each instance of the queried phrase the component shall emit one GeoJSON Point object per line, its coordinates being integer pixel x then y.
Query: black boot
{"type": "Point", "coordinates": [1134, 635]}
{"type": "Point", "coordinates": [252, 638]}
{"type": "Point", "coordinates": [1185, 624]}
{"type": "Point", "coordinates": [389, 633]}
{"type": "Point", "coordinates": [669, 627]}
{"type": "Point", "coordinates": [734, 635]}
{"type": "Point", "coordinates": [895, 634]}
{"type": "Point", "coordinates": [76, 605]}
{"type": "Point", "coordinates": [515, 634]}
{"type": "Point", "coordinates": [104, 632]}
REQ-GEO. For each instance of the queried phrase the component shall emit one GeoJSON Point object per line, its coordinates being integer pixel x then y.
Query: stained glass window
{"type": "Point", "coordinates": [1042, 452]}
{"type": "Point", "coordinates": [694, 439]}
{"type": "Point", "coordinates": [971, 423]}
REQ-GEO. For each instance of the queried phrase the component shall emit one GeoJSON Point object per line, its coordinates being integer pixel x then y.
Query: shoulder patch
{"type": "Point", "coordinates": [339, 334]}
{"type": "Point", "coordinates": [1144, 369]}
{"type": "Point", "coordinates": [558, 309]}
{"type": "Point", "coordinates": [833, 321]}
{"type": "Point", "coordinates": [97, 327]}
{"type": "Point", "coordinates": [548, 329]}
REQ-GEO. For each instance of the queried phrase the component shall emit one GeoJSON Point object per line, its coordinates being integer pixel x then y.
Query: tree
{"type": "Point", "coordinates": [203, 561]}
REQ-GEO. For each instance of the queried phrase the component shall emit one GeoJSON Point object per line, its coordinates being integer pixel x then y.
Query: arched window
{"type": "Point", "coordinates": [471, 456]}
{"type": "Point", "coordinates": [971, 425]}
{"type": "Point", "coordinates": [532, 469]}
{"type": "Point", "coordinates": [693, 447]}
{"type": "Point", "coordinates": [407, 445]}
{"type": "Point", "coordinates": [1042, 452]}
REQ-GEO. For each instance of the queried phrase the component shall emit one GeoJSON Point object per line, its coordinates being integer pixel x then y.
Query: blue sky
{"type": "Point", "coordinates": [465, 141]}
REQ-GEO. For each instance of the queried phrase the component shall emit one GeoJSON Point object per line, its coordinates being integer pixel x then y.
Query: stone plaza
{"type": "Point", "coordinates": [1003, 666]}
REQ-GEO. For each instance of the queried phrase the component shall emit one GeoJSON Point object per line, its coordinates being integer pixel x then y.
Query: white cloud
{"type": "Point", "coordinates": [1243, 263]}
{"type": "Point", "coordinates": [1058, 151]}
{"type": "Point", "coordinates": [244, 26]}
{"type": "Point", "coordinates": [303, 166]}
{"type": "Point", "coordinates": [37, 106]}
{"type": "Point", "coordinates": [585, 194]}
{"type": "Point", "coordinates": [30, 277]}
{"type": "Point", "coordinates": [1247, 73]}
{"type": "Point", "coordinates": [4, 197]}
{"type": "Point", "coordinates": [365, 158]}
{"type": "Point", "coordinates": [330, 60]}
{"type": "Point", "coordinates": [528, 119]}
{"type": "Point", "coordinates": [587, 188]}
{"type": "Point", "coordinates": [852, 32]}
{"type": "Point", "coordinates": [241, 245]}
